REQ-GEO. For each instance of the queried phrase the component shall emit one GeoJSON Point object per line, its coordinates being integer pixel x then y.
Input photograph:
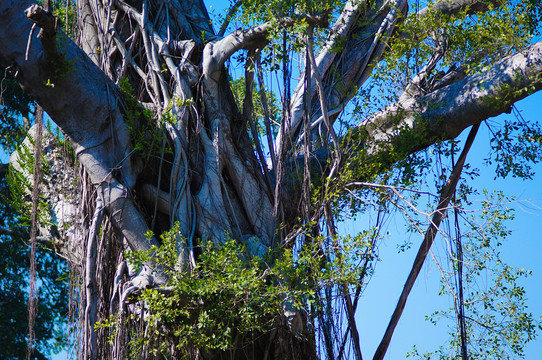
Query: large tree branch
{"type": "Point", "coordinates": [216, 53]}
{"type": "Point", "coordinates": [446, 112]}
{"type": "Point", "coordinates": [77, 95]}
{"type": "Point", "coordinates": [361, 34]}
{"type": "Point", "coordinates": [416, 123]}
{"type": "Point", "coordinates": [362, 46]}
{"type": "Point", "coordinates": [85, 104]}
{"type": "Point", "coordinates": [452, 7]}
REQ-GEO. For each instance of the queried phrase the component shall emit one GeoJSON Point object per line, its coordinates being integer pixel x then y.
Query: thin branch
{"type": "Point", "coordinates": [158, 82]}
{"type": "Point", "coordinates": [218, 52]}
{"type": "Point", "coordinates": [228, 18]}
{"type": "Point", "coordinates": [306, 144]}
{"type": "Point", "coordinates": [127, 55]}
{"type": "Point", "coordinates": [452, 7]}
{"type": "Point", "coordinates": [267, 115]}
{"type": "Point", "coordinates": [443, 275]}
{"type": "Point", "coordinates": [323, 104]}
{"type": "Point", "coordinates": [353, 64]}
{"type": "Point", "coordinates": [248, 111]}
{"type": "Point", "coordinates": [461, 299]}
{"type": "Point", "coordinates": [432, 231]}
{"type": "Point", "coordinates": [7, 232]}
{"type": "Point", "coordinates": [343, 287]}
{"type": "Point", "coordinates": [29, 43]}
{"type": "Point", "coordinates": [414, 88]}
{"type": "Point", "coordinates": [382, 186]}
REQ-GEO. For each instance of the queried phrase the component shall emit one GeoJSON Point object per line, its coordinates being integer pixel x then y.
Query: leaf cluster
{"type": "Point", "coordinates": [16, 115]}
{"type": "Point", "coordinates": [468, 42]}
{"type": "Point", "coordinates": [230, 298]}
{"type": "Point", "coordinates": [515, 146]}
{"type": "Point", "coordinates": [497, 319]}
{"type": "Point", "coordinates": [144, 132]}
{"type": "Point", "coordinates": [238, 89]}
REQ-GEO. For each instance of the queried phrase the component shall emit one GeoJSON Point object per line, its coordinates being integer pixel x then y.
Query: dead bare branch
{"type": "Point", "coordinates": [430, 234]}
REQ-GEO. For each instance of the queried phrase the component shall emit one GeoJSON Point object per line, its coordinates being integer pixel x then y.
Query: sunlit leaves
{"type": "Point", "coordinates": [497, 320]}
{"type": "Point", "coordinates": [260, 11]}
{"type": "Point", "coordinates": [238, 89]}
{"type": "Point", "coordinates": [466, 42]}
{"type": "Point", "coordinates": [515, 147]}
{"type": "Point", "coordinates": [231, 297]}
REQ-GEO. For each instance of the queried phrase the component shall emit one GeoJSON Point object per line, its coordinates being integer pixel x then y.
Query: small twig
{"type": "Point", "coordinates": [414, 88]}
{"type": "Point", "coordinates": [373, 185]}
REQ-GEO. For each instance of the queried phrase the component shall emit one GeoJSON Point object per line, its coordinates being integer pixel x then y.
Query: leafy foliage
{"type": "Point", "coordinates": [140, 122]}
{"type": "Point", "coordinates": [231, 298]}
{"type": "Point", "coordinates": [16, 108]}
{"type": "Point", "coordinates": [238, 89]}
{"type": "Point", "coordinates": [516, 145]}
{"type": "Point", "coordinates": [498, 324]}
{"type": "Point", "coordinates": [466, 43]}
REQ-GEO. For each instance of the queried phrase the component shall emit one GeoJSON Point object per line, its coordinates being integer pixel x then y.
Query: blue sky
{"type": "Point", "coordinates": [523, 249]}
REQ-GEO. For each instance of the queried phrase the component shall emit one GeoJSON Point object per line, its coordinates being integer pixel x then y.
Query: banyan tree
{"type": "Point", "coordinates": [204, 161]}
